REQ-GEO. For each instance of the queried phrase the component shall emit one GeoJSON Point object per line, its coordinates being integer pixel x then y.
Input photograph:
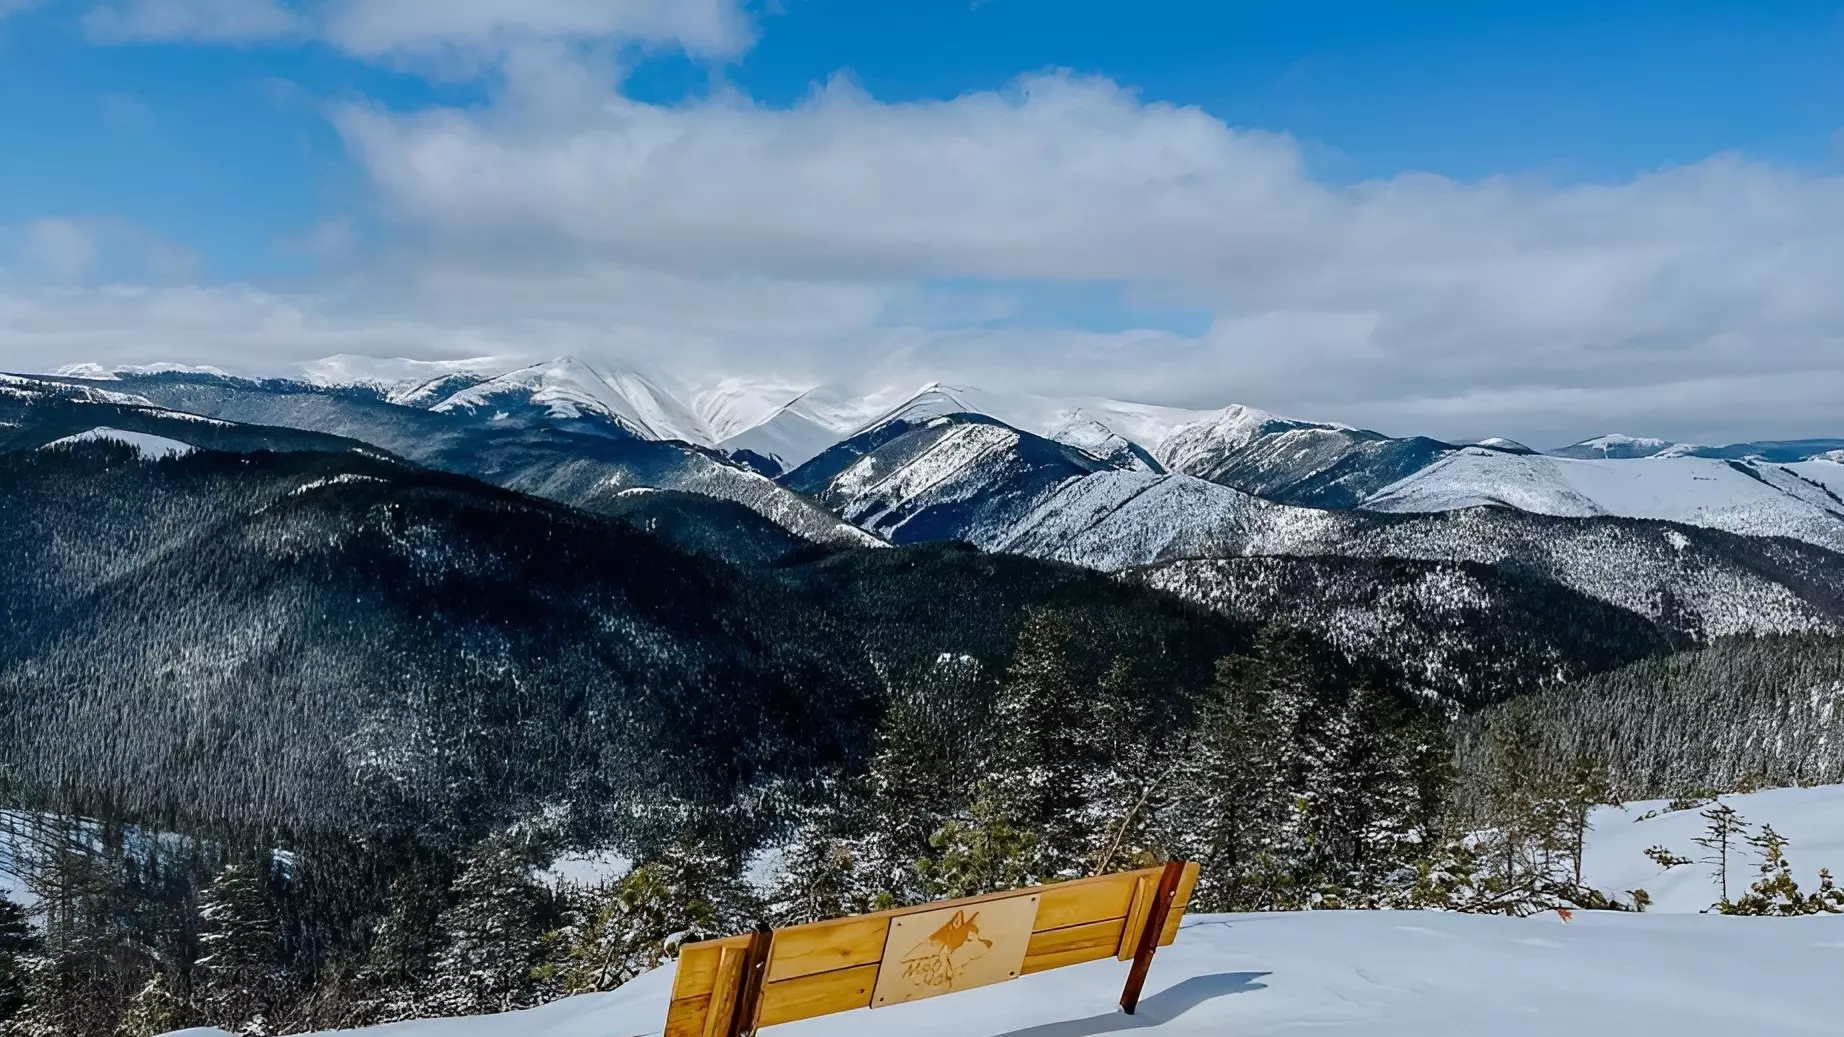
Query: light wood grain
{"type": "Point", "coordinates": [1143, 890]}
{"type": "Point", "coordinates": [686, 1016]}
{"type": "Point", "coordinates": [697, 968]}
{"type": "Point", "coordinates": [841, 990]}
{"type": "Point", "coordinates": [1187, 885]}
{"type": "Point", "coordinates": [806, 950]}
{"type": "Point", "coordinates": [1073, 945]}
{"type": "Point", "coordinates": [1086, 900]}
{"type": "Point", "coordinates": [728, 988]}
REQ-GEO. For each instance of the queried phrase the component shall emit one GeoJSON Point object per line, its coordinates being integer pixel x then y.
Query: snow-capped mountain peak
{"type": "Point", "coordinates": [1617, 446]}
{"type": "Point", "coordinates": [731, 406]}
{"type": "Point", "coordinates": [396, 375]}
{"type": "Point", "coordinates": [568, 389]}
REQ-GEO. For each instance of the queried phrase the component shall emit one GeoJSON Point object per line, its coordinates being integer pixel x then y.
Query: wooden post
{"type": "Point", "coordinates": [742, 1022]}
{"type": "Point", "coordinates": [1156, 917]}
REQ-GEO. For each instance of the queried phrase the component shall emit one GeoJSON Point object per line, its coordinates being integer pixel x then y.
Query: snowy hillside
{"type": "Point", "coordinates": [1616, 445]}
{"type": "Point", "coordinates": [1318, 464]}
{"type": "Point", "coordinates": [1120, 519]}
{"type": "Point", "coordinates": [152, 448]}
{"type": "Point", "coordinates": [1738, 496]}
{"type": "Point", "coordinates": [1110, 429]}
{"type": "Point", "coordinates": [940, 478]}
{"type": "Point", "coordinates": [566, 389]}
{"type": "Point", "coordinates": [1812, 819]}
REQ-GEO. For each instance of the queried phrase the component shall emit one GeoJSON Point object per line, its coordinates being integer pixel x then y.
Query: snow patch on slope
{"type": "Point", "coordinates": [1811, 819]}
{"type": "Point", "coordinates": [397, 374]}
{"type": "Point", "coordinates": [152, 448]}
{"type": "Point", "coordinates": [1120, 519]}
{"type": "Point", "coordinates": [569, 390]}
{"type": "Point", "coordinates": [1739, 497]}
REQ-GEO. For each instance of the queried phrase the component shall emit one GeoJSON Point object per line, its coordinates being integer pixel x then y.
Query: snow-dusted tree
{"type": "Point", "coordinates": [1035, 780]}
{"type": "Point", "coordinates": [17, 944]}
{"type": "Point", "coordinates": [1134, 780]}
{"type": "Point", "coordinates": [981, 851]}
{"type": "Point", "coordinates": [237, 983]}
{"type": "Point", "coordinates": [492, 932]}
{"type": "Point", "coordinates": [1585, 786]}
{"type": "Point", "coordinates": [816, 878]}
{"type": "Point", "coordinates": [398, 968]}
{"type": "Point", "coordinates": [1776, 892]}
{"type": "Point", "coordinates": [1725, 828]}
{"type": "Point", "coordinates": [1236, 812]}
{"type": "Point", "coordinates": [159, 1007]}
{"type": "Point", "coordinates": [685, 893]}
{"type": "Point", "coordinates": [921, 771]}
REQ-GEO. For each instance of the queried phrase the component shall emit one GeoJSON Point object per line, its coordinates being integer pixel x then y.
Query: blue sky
{"type": "Point", "coordinates": [284, 152]}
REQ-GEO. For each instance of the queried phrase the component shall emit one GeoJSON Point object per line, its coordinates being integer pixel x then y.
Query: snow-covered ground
{"type": "Point", "coordinates": [152, 447]}
{"type": "Point", "coordinates": [1374, 974]}
{"type": "Point", "coordinates": [1811, 819]}
{"type": "Point", "coordinates": [1393, 974]}
{"type": "Point", "coordinates": [1740, 497]}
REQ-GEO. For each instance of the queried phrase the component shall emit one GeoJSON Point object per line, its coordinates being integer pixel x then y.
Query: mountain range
{"type": "Point", "coordinates": [1700, 541]}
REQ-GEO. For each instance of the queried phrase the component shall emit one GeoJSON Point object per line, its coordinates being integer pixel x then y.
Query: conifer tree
{"type": "Point", "coordinates": [17, 945]}
{"type": "Point", "coordinates": [1133, 781]}
{"type": "Point", "coordinates": [396, 972]}
{"type": "Point", "coordinates": [1238, 804]}
{"type": "Point", "coordinates": [159, 1007]}
{"type": "Point", "coordinates": [816, 879]}
{"type": "Point", "coordinates": [238, 982]}
{"type": "Point", "coordinates": [1775, 892]}
{"type": "Point", "coordinates": [981, 851]}
{"type": "Point", "coordinates": [1035, 782]}
{"type": "Point", "coordinates": [1725, 828]}
{"type": "Point", "coordinates": [686, 893]}
{"type": "Point", "coordinates": [923, 768]}
{"type": "Point", "coordinates": [1586, 786]}
{"type": "Point", "coordinates": [492, 933]}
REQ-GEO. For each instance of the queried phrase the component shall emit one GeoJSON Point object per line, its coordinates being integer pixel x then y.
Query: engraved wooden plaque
{"type": "Point", "coordinates": [954, 949]}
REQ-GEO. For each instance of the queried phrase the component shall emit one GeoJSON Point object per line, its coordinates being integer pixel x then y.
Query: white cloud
{"type": "Point", "coordinates": [395, 28]}
{"type": "Point", "coordinates": [717, 28]}
{"type": "Point", "coordinates": [61, 250]}
{"type": "Point", "coordinates": [69, 252]}
{"type": "Point", "coordinates": [16, 6]}
{"type": "Point", "coordinates": [1470, 303]}
{"type": "Point", "coordinates": [215, 21]}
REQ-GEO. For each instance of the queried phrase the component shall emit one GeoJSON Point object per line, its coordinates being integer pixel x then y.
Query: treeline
{"type": "Point", "coordinates": [1739, 713]}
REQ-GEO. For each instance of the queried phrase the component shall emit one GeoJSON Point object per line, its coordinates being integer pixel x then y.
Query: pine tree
{"type": "Point", "coordinates": [685, 894]}
{"type": "Point", "coordinates": [1587, 785]}
{"type": "Point", "coordinates": [159, 1007]}
{"type": "Point", "coordinates": [816, 879]}
{"type": "Point", "coordinates": [980, 852]}
{"type": "Point", "coordinates": [238, 982]}
{"type": "Point", "coordinates": [921, 771]}
{"type": "Point", "coordinates": [398, 966]}
{"type": "Point", "coordinates": [1775, 892]}
{"type": "Point", "coordinates": [18, 943]}
{"type": "Point", "coordinates": [71, 982]}
{"type": "Point", "coordinates": [1035, 781]}
{"type": "Point", "coordinates": [1133, 782]}
{"type": "Point", "coordinates": [1725, 827]}
{"type": "Point", "coordinates": [493, 932]}
{"type": "Point", "coordinates": [1237, 806]}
